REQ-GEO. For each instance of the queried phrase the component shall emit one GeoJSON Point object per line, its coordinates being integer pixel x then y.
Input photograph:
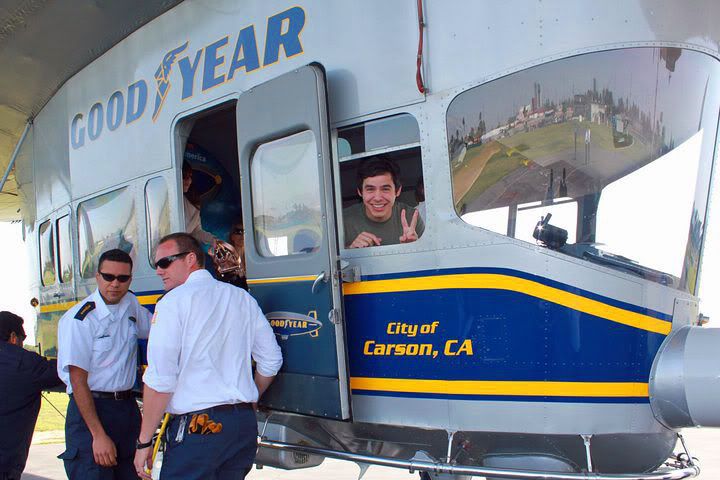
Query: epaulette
{"type": "Point", "coordinates": [84, 310]}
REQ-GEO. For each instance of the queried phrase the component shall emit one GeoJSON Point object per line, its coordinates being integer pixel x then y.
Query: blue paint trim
{"type": "Point", "coordinates": [526, 276]}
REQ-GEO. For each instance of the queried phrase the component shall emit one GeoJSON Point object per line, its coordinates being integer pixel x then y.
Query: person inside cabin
{"type": "Point", "coordinates": [420, 198]}
{"type": "Point", "coordinates": [191, 205]}
{"type": "Point", "coordinates": [97, 360]}
{"type": "Point", "coordinates": [23, 376]}
{"type": "Point", "coordinates": [236, 239]}
{"type": "Point", "coordinates": [380, 219]}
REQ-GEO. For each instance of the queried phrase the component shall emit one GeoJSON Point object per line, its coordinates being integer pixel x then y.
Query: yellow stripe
{"type": "Point", "coordinates": [57, 307]}
{"type": "Point", "coordinates": [149, 299]}
{"type": "Point", "coordinates": [525, 389]}
{"type": "Point", "coordinates": [260, 281]}
{"type": "Point", "coordinates": [515, 284]}
{"type": "Point", "coordinates": [61, 307]}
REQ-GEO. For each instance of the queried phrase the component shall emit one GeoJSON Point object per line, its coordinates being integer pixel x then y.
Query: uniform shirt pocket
{"type": "Point", "coordinates": [102, 344]}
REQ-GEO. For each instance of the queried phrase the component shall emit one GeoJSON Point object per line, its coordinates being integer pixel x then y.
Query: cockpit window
{"type": "Point", "coordinates": [604, 156]}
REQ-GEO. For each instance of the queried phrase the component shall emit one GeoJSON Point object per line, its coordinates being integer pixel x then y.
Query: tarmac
{"type": "Point", "coordinates": [44, 465]}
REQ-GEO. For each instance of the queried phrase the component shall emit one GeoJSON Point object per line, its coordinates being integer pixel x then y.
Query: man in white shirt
{"type": "Point", "coordinates": [206, 334]}
{"type": "Point", "coordinates": [97, 360]}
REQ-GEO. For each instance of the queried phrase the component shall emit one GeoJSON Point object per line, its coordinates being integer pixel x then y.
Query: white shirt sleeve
{"type": "Point", "coordinates": [144, 317]}
{"type": "Point", "coordinates": [75, 342]}
{"type": "Point", "coordinates": [164, 345]}
{"type": "Point", "coordinates": [265, 349]}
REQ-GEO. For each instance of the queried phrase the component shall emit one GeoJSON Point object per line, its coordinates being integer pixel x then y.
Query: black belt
{"type": "Point", "coordinates": [223, 407]}
{"type": "Point", "coordinates": [230, 406]}
{"type": "Point", "coordinates": [125, 395]}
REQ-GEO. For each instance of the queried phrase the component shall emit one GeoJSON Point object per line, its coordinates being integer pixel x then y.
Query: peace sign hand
{"type": "Point", "coordinates": [409, 233]}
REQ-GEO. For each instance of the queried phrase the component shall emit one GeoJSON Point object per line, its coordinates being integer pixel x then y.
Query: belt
{"type": "Point", "coordinates": [125, 395]}
{"type": "Point", "coordinates": [231, 406]}
{"type": "Point", "coordinates": [221, 408]}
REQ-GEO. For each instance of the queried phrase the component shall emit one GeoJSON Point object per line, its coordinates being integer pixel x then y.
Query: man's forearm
{"type": "Point", "coordinates": [84, 400]}
{"type": "Point", "coordinates": [262, 382]}
{"type": "Point", "coordinates": [154, 404]}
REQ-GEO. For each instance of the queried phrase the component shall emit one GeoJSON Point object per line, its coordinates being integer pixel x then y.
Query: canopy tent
{"type": "Point", "coordinates": [44, 43]}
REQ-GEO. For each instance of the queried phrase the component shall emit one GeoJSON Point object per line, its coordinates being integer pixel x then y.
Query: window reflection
{"type": "Point", "coordinates": [287, 212]}
{"type": "Point", "coordinates": [64, 249]}
{"type": "Point", "coordinates": [106, 222]}
{"type": "Point", "coordinates": [47, 255]}
{"type": "Point", "coordinates": [610, 143]}
{"type": "Point", "coordinates": [157, 213]}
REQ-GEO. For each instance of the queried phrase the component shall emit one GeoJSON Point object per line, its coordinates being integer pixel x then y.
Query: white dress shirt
{"type": "Point", "coordinates": [205, 335]}
{"type": "Point", "coordinates": [193, 224]}
{"type": "Point", "coordinates": [102, 342]}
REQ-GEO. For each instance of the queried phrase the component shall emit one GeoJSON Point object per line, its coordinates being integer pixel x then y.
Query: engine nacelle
{"type": "Point", "coordinates": [685, 379]}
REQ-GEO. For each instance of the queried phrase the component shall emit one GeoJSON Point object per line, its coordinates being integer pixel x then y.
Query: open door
{"type": "Point", "coordinates": [291, 239]}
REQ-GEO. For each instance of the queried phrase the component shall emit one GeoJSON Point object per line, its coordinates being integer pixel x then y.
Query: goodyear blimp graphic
{"type": "Point", "coordinates": [292, 324]}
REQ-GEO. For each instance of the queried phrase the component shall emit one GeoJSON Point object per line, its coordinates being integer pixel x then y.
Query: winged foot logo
{"type": "Point", "coordinates": [126, 106]}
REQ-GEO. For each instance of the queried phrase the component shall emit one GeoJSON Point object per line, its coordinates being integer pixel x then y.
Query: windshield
{"type": "Point", "coordinates": [616, 146]}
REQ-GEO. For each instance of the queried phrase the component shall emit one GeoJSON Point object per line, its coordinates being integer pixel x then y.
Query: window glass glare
{"type": "Point", "coordinates": [64, 249]}
{"type": "Point", "coordinates": [380, 134]}
{"type": "Point", "coordinates": [287, 207]}
{"type": "Point", "coordinates": [157, 213]}
{"type": "Point", "coordinates": [47, 255]}
{"type": "Point", "coordinates": [616, 145]}
{"type": "Point", "coordinates": [106, 222]}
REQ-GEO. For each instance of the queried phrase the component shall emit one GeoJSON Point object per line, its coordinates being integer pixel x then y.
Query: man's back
{"type": "Point", "coordinates": [205, 332]}
{"type": "Point", "coordinates": [23, 375]}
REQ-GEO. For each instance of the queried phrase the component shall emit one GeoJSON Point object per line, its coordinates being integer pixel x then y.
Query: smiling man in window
{"type": "Point", "coordinates": [97, 360]}
{"type": "Point", "coordinates": [380, 219]}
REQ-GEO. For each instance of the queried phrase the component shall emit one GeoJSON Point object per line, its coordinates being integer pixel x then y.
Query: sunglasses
{"type": "Point", "coordinates": [165, 262]}
{"type": "Point", "coordinates": [111, 278]}
{"type": "Point", "coordinates": [238, 231]}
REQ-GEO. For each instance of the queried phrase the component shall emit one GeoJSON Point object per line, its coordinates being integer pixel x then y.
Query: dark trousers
{"type": "Point", "coordinates": [121, 421]}
{"type": "Point", "coordinates": [10, 475]}
{"type": "Point", "coordinates": [223, 455]}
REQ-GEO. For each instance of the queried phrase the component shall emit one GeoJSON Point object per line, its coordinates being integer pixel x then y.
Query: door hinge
{"type": "Point", "coordinates": [349, 273]}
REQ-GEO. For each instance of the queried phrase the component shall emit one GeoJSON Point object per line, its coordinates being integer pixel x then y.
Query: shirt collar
{"type": "Point", "coordinates": [102, 309]}
{"type": "Point", "coordinates": [198, 276]}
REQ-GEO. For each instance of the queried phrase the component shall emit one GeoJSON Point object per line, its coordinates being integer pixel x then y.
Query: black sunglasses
{"type": "Point", "coordinates": [108, 277]}
{"type": "Point", "coordinates": [165, 262]}
{"type": "Point", "coordinates": [239, 231]}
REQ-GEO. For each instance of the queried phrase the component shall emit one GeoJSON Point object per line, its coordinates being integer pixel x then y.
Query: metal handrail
{"type": "Point", "coordinates": [687, 470]}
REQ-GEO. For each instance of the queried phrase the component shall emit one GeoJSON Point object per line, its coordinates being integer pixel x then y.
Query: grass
{"type": "Point", "coordinates": [49, 419]}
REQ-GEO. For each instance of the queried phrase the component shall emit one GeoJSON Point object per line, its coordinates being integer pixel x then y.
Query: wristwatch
{"type": "Point", "coordinates": [140, 445]}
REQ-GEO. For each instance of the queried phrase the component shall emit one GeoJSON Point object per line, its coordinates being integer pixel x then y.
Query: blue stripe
{"type": "Point", "coordinates": [526, 276]}
{"type": "Point", "coordinates": [514, 337]}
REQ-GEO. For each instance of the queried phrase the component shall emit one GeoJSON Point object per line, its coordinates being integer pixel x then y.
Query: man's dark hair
{"type": "Point", "coordinates": [374, 166]}
{"type": "Point", "coordinates": [115, 255]}
{"type": "Point", "coordinates": [9, 323]}
{"type": "Point", "coordinates": [186, 243]}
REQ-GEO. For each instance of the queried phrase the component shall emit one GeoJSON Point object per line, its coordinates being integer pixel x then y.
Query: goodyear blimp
{"type": "Point", "coordinates": [539, 317]}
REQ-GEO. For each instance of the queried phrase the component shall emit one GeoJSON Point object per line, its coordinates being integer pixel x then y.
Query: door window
{"type": "Point", "coordinates": [286, 201]}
